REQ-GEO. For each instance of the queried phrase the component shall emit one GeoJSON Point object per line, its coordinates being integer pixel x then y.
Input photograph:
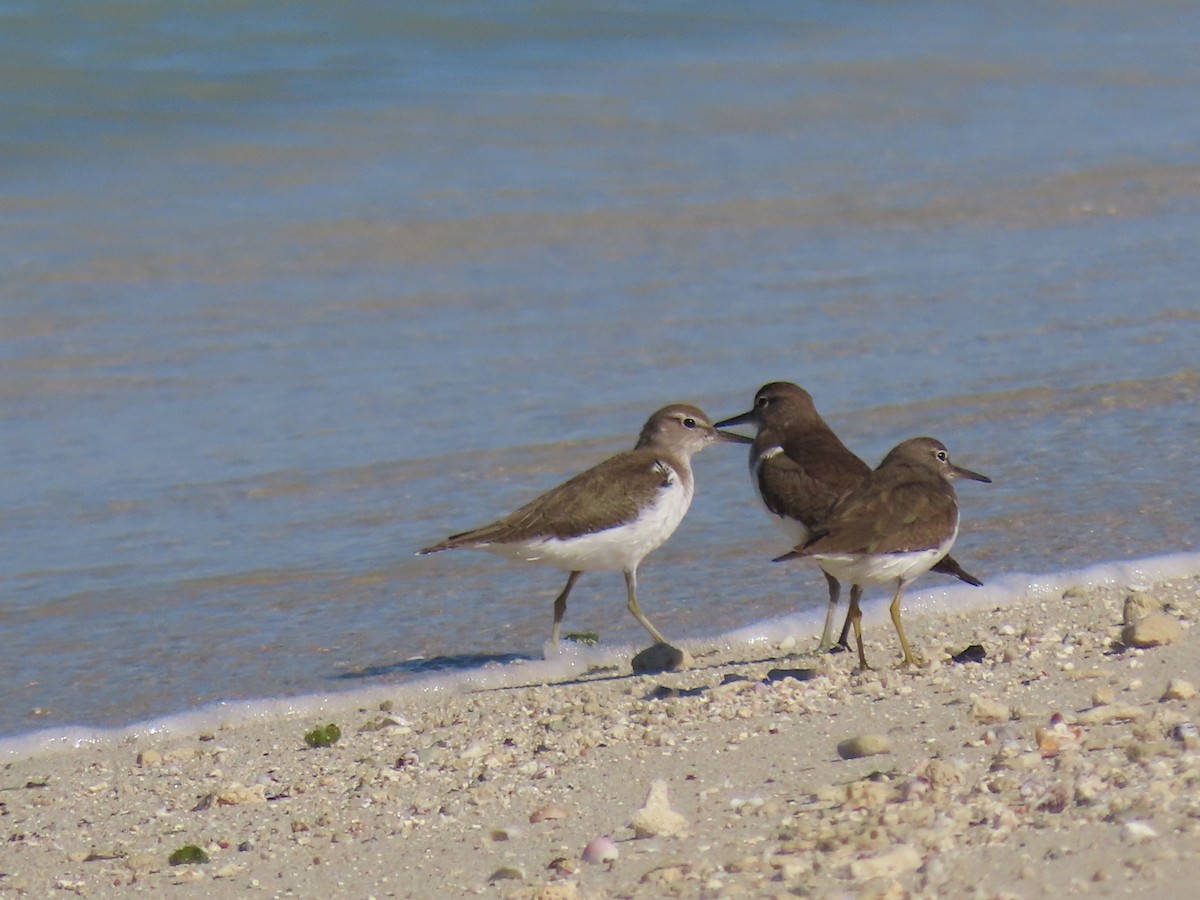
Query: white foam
{"type": "Point", "coordinates": [568, 661]}
{"type": "Point", "coordinates": [1005, 590]}
{"type": "Point", "coordinates": [573, 660]}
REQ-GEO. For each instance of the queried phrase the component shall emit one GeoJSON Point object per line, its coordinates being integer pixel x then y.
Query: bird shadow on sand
{"type": "Point", "coordinates": [464, 662]}
{"type": "Point", "coordinates": [700, 667]}
{"type": "Point", "coordinates": [427, 665]}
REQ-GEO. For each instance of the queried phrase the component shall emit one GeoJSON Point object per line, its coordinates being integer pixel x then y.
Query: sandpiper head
{"type": "Point", "coordinates": [684, 430]}
{"type": "Point", "coordinates": [932, 454]}
{"type": "Point", "coordinates": [779, 401]}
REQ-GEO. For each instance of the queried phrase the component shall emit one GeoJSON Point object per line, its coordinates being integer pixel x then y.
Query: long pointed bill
{"type": "Point", "coordinates": [960, 472]}
{"type": "Point", "coordinates": [744, 419]}
{"type": "Point", "coordinates": [733, 438]}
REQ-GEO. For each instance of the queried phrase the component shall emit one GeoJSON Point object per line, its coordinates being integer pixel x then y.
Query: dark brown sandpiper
{"type": "Point", "coordinates": [610, 516]}
{"type": "Point", "coordinates": [799, 469]}
{"type": "Point", "coordinates": [897, 524]}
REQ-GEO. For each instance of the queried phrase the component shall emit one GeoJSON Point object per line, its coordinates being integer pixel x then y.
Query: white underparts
{"type": "Point", "coordinates": [619, 548]}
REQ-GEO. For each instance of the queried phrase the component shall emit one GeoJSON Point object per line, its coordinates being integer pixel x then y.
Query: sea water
{"type": "Point", "coordinates": [292, 290]}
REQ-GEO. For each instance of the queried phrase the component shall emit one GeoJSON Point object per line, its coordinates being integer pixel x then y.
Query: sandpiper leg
{"type": "Point", "coordinates": [835, 592]}
{"type": "Point", "coordinates": [631, 587]}
{"type": "Point", "coordinates": [560, 607]}
{"type": "Point", "coordinates": [854, 616]}
{"type": "Point", "coordinates": [910, 658]}
{"type": "Point", "coordinates": [844, 638]}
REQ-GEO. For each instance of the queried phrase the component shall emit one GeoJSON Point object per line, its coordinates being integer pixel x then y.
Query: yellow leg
{"type": "Point", "coordinates": [835, 591]}
{"type": "Point", "coordinates": [910, 658]}
{"type": "Point", "coordinates": [560, 607]}
{"type": "Point", "coordinates": [631, 588]}
{"type": "Point", "coordinates": [854, 617]}
{"type": "Point", "coordinates": [844, 637]}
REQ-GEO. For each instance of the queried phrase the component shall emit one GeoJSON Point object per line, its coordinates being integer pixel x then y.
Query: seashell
{"type": "Point", "coordinates": [563, 866]}
{"type": "Point", "coordinates": [547, 813]}
{"type": "Point", "coordinates": [1137, 832]}
{"type": "Point", "coordinates": [474, 752]}
{"type": "Point", "coordinates": [508, 873]}
{"type": "Point", "coordinates": [600, 849]}
{"type": "Point", "coordinates": [1047, 742]}
{"type": "Point", "coordinates": [1186, 731]}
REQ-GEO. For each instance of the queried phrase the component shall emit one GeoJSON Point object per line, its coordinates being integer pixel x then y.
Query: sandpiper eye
{"type": "Point", "coordinates": [761, 402]}
{"type": "Point", "coordinates": [689, 422]}
{"type": "Point", "coordinates": [942, 456]}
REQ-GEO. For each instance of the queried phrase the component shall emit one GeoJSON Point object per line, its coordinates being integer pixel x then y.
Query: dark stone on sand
{"type": "Point", "coordinates": [658, 658]}
{"type": "Point", "coordinates": [662, 692]}
{"type": "Point", "coordinates": [798, 674]}
{"type": "Point", "coordinates": [972, 654]}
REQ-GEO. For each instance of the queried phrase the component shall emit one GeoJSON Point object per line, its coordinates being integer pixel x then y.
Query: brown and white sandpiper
{"type": "Point", "coordinates": [800, 468]}
{"type": "Point", "coordinates": [897, 524]}
{"type": "Point", "coordinates": [610, 516]}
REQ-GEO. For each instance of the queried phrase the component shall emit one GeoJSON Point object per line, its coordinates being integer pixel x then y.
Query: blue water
{"type": "Point", "coordinates": [293, 289]}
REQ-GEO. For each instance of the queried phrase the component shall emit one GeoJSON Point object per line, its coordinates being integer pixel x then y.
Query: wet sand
{"type": "Point", "coordinates": [1063, 763]}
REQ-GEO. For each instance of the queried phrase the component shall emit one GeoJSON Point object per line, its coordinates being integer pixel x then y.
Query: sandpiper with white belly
{"type": "Point", "coordinates": [800, 468]}
{"type": "Point", "coordinates": [610, 516]}
{"type": "Point", "coordinates": [897, 524]}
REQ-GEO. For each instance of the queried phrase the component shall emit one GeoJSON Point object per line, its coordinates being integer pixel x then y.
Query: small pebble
{"type": "Point", "coordinates": [1153, 630]}
{"type": "Point", "coordinates": [1138, 605]}
{"type": "Point", "coordinates": [1114, 712]}
{"type": "Point", "coordinates": [1178, 689]}
{"type": "Point", "coordinates": [986, 710]}
{"type": "Point", "coordinates": [864, 745]}
{"type": "Point", "coordinates": [149, 758]}
{"type": "Point", "coordinates": [890, 864]}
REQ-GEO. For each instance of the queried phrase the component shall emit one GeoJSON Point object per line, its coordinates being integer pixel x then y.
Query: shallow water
{"type": "Point", "coordinates": [289, 295]}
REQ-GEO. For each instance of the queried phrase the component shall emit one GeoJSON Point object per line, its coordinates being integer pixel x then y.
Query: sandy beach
{"type": "Point", "coordinates": [1065, 762]}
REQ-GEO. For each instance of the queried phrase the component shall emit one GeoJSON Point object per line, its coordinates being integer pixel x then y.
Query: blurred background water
{"type": "Point", "coordinates": [293, 289]}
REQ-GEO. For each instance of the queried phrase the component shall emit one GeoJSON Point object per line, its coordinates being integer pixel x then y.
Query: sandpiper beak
{"type": "Point", "coordinates": [960, 472]}
{"type": "Point", "coordinates": [744, 419]}
{"type": "Point", "coordinates": [732, 438]}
